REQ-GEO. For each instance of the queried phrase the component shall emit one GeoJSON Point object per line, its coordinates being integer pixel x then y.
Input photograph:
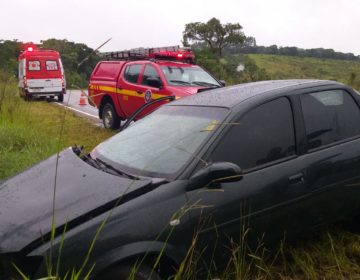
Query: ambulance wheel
{"type": "Point", "coordinates": [27, 96]}
{"type": "Point", "coordinates": [60, 97]}
{"type": "Point", "coordinates": [109, 116]}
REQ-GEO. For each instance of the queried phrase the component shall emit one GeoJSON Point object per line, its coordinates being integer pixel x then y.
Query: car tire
{"type": "Point", "coordinates": [124, 272]}
{"type": "Point", "coordinates": [28, 96]}
{"type": "Point", "coordinates": [60, 98]}
{"type": "Point", "coordinates": [109, 116]}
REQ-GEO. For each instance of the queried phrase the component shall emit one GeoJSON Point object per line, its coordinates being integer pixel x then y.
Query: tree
{"type": "Point", "coordinates": [72, 54]}
{"type": "Point", "coordinates": [214, 34]}
{"type": "Point", "coordinates": [9, 51]}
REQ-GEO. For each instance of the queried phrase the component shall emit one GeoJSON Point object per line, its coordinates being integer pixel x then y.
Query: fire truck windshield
{"type": "Point", "coordinates": [192, 76]}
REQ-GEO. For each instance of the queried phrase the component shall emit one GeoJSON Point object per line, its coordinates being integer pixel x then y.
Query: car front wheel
{"type": "Point", "coordinates": [109, 116]}
{"type": "Point", "coordinates": [60, 97]}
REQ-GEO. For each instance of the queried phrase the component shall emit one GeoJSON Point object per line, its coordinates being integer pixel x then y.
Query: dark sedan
{"type": "Point", "coordinates": [274, 157]}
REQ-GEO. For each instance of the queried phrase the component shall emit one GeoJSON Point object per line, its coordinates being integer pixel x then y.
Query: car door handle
{"type": "Point", "coordinates": [297, 178]}
{"type": "Point", "coordinates": [139, 92]}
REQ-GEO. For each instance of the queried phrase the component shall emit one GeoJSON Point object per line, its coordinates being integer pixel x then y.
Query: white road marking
{"type": "Point", "coordinates": [76, 110]}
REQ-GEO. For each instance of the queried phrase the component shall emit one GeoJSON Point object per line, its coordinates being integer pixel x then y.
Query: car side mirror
{"type": "Point", "coordinates": [223, 83]}
{"type": "Point", "coordinates": [154, 82]}
{"type": "Point", "coordinates": [218, 172]}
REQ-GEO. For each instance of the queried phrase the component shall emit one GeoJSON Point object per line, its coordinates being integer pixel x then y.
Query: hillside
{"type": "Point", "coordinates": [288, 67]}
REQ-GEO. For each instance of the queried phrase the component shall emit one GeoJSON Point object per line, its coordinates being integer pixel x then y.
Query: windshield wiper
{"type": "Point", "coordinates": [119, 172]}
{"type": "Point", "coordinates": [99, 164]}
{"type": "Point", "coordinates": [180, 82]}
{"type": "Point", "coordinates": [206, 84]}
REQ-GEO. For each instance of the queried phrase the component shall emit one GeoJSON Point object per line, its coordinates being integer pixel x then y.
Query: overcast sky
{"type": "Point", "coordinates": [150, 23]}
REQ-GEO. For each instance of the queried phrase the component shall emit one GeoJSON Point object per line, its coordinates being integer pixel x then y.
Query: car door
{"type": "Point", "coordinates": [332, 127]}
{"type": "Point", "coordinates": [132, 95]}
{"type": "Point", "coordinates": [271, 197]}
{"type": "Point", "coordinates": [148, 90]}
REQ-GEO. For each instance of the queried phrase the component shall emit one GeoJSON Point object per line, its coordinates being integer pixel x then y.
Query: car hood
{"type": "Point", "coordinates": [82, 191]}
{"type": "Point", "coordinates": [182, 91]}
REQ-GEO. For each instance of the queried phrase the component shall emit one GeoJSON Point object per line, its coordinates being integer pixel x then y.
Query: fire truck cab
{"type": "Point", "coordinates": [41, 74]}
{"type": "Point", "coordinates": [130, 79]}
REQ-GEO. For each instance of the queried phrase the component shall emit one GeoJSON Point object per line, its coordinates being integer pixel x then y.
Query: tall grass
{"type": "Point", "coordinates": [30, 131]}
{"type": "Point", "coordinates": [290, 67]}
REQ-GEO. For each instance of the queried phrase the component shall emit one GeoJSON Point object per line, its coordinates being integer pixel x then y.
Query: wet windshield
{"type": "Point", "coordinates": [163, 142]}
{"type": "Point", "coordinates": [188, 76]}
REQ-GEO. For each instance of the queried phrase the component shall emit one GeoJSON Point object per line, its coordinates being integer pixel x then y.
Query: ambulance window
{"type": "Point", "coordinates": [149, 72]}
{"type": "Point", "coordinates": [21, 68]}
{"type": "Point", "coordinates": [132, 73]}
{"type": "Point", "coordinates": [51, 65]}
{"type": "Point", "coordinates": [34, 65]}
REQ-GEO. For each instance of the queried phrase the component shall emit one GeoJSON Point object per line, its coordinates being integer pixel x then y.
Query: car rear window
{"type": "Point", "coordinates": [329, 116]}
{"type": "Point", "coordinates": [132, 73]}
{"type": "Point", "coordinates": [34, 65]}
{"type": "Point", "coordinates": [51, 65]}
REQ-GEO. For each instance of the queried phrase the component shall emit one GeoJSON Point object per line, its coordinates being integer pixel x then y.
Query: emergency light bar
{"type": "Point", "coordinates": [166, 53]}
{"type": "Point", "coordinates": [30, 47]}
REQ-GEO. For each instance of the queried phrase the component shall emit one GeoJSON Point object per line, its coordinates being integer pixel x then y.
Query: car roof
{"type": "Point", "coordinates": [233, 95]}
{"type": "Point", "coordinates": [159, 62]}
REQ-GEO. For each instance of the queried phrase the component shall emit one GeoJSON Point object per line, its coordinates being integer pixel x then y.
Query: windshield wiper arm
{"type": "Point", "coordinates": [206, 84]}
{"type": "Point", "coordinates": [119, 172]}
{"type": "Point", "coordinates": [99, 164]}
{"type": "Point", "coordinates": [180, 82]}
{"type": "Point", "coordinates": [91, 161]}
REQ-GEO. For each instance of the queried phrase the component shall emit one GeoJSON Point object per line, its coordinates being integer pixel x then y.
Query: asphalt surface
{"type": "Point", "coordinates": [72, 100]}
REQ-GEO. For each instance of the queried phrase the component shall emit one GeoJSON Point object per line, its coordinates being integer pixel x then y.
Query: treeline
{"type": "Point", "coordinates": [72, 54]}
{"type": "Point", "coordinates": [249, 47]}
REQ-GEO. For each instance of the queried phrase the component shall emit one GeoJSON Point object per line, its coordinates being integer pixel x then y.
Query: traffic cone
{"type": "Point", "coordinates": [82, 100]}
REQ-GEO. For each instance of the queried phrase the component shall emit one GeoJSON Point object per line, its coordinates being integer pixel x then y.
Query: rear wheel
{"type": "Point", "coordinates": [124, 272]}
{"type": "Point", "coordinates": [28, 96]}
{"type": "Point", "coordinates": [60, 97]}
{"type": "Point", "coordinates": [109, 116]}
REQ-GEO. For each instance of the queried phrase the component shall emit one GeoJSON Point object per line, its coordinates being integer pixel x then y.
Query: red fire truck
{"type": "Point", "coordinates": [41, 74]}
{"type": "Point", "coordinates": [130, 79]}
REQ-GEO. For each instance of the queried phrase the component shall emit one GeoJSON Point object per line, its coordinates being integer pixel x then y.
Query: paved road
{"type": "Point", "coordinates": [72, 101]}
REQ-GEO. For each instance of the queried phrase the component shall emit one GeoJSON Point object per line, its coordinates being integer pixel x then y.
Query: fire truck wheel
{"type": "Point", "coordinates": [60, 97]}
{"type": "Point", "coordinates": [109, 116]}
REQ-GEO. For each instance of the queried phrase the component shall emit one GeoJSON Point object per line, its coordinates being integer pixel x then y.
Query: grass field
{"type": "Point", "coordinates": [292, 67]}
{"type": "Point", "coordinates": [32, 131]}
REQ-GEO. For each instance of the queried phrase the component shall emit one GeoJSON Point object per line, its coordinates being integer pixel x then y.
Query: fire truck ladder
{"type": "Point", "coordinates": [147, 53]}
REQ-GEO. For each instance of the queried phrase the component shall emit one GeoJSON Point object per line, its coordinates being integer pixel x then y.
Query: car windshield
{"type": "Point", "coordinates": [193, 76]}
{"type": "Point", "coordinates": [163, 142]}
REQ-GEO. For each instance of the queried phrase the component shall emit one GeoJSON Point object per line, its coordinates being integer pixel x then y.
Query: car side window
{"type": "Point", "coordinates": [149, 71]}
{"type": "Point", "coordinates": [132, 73]}
{"type": "Point", "coordinates": [263, 135]}
{"type": "Point", "coordinates": [329, 116]}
